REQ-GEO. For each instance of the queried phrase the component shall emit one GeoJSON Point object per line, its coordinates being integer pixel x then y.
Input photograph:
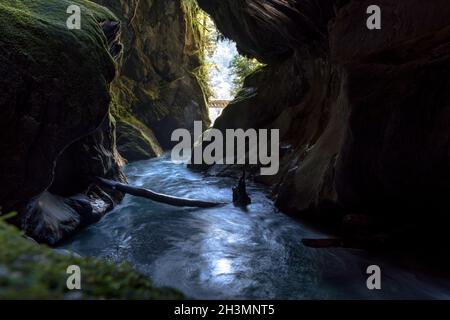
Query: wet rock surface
{"type": "Point", "coordinates": [54, 101]}
{"type": "Point", "coordinates": [79, 104]}
{"type": "Point", "coordinates": [158, 89]}
{"type": "Point", "coordinates": [365, 114]}
{"type": "Point", "coordinates": [32, 271]}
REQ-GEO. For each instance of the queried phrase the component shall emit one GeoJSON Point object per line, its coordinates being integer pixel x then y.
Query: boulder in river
{"type": "Point", "coordinates": [240, 195]}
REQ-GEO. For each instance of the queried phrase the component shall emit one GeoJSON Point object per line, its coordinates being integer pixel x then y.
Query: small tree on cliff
{"type": "Point", "coordinates": [241, 67]}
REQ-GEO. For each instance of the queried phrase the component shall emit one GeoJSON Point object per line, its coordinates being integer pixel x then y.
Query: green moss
{"type": "Point", "coordinates": [241, 68]}
{"type": "Point", "coordinates": [67, 71]}
{"type": "Point", "coordinates": [197, 20]}
{"type": "Point", "coordinates": [32, 271]}
{"type": "Point", "coordinates": [134, 144]}
{"type": "Point", "coordinates": [38, 28]}
{"type": "Point", "coordinates": [73, 68]}
{"type": "Point", "coordinates": [135, 141]}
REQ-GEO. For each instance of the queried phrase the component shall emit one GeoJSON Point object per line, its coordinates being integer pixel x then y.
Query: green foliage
{"type": "Point", "coordinates": [205, 39]}
{"type": "Point", "coordinates": [32, 271]}
{"type": "Point", "coordinates": [241, 67]}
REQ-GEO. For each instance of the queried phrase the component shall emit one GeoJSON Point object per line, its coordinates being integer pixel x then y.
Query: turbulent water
{"type": "Point", "coordinates": [228, 252]}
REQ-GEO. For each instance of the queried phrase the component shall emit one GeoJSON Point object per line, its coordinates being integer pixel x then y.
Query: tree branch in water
{"type": "Point", "coordinates": [158, 197]}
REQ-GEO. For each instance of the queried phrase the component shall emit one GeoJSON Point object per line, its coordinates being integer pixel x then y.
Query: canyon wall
{"type": "Point", "coordinates": [161, 85]}
{"type": "Point", "coordinates": [55, 95]}
{"type": "Point", "coordinates": [364, 116]}
{"type": "Point", "coordinates": [69, 97]}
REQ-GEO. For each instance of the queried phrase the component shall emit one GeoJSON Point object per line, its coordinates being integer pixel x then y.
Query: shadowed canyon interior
{"type": "Point", "coordinates": [364, 116]}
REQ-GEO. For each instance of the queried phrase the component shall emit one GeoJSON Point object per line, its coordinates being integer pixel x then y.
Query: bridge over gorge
{"type": "Point", "coordinates": [220, 104]}
{"type": "Point", "coordinates": [216, 107]}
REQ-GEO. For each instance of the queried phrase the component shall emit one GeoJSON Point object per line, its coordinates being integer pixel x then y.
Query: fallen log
{"type": "Point", "coordinates": [158, 197]}
{"type": "Point", "coordinates": [376, 241]}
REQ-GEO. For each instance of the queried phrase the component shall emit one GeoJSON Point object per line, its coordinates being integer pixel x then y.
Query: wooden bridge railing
{"type": "Point", "coordinates": [218, 103]}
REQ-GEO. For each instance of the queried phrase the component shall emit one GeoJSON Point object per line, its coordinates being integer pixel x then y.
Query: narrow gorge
{"type": "Point", "coordinates": [363, 118]}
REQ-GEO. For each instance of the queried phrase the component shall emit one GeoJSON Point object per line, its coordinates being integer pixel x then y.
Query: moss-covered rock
{"type": "Point", "coordinates": [135, 141]}
{"type": "Point", "coordinates": [54, 89]}
{"type": "Point", "coordinates": [32, 271]}
{"type": "Point", "coordinates": [54, 108]}
{"type": "Point", "coordinates": [161, 83]}
{"type": "Point", "coordinates": [363, 115]}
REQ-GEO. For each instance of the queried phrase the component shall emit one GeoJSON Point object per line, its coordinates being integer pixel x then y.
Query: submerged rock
{"type": "Point", "coordinates": [61, 103]}
{"type": "Point", "coordinates": [50, 218]}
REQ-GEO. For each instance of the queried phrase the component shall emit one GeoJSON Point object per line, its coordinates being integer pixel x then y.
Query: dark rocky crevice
{"type": "Point", "coordinates": [363, 116]}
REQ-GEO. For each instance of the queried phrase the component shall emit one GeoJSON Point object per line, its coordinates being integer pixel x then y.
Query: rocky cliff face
{"type": "Point", "coordinates": [160, 86]}
{"type": "Point", "coordinates": [55, 95]}
{"type": "Point", "coordinates": [62, 103]}
{"type": "Point", "coordinates": [364, 116]}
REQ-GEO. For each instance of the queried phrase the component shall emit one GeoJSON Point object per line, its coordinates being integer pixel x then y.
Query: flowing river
{"type": "Point", "coordinates": [227, 252]}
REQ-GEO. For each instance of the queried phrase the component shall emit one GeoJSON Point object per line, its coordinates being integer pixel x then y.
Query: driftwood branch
{"type": "Point", "coordinates": [158, 197]}
{"type": "Point", "coordinates": [364, 242]}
